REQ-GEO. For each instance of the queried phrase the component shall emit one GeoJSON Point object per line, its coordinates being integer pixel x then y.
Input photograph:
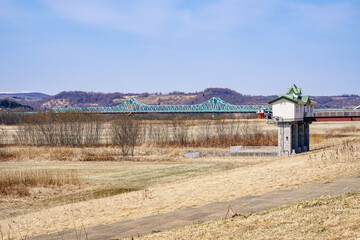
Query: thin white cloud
{"type": "Point", "coordinates": [227, 14]}
{"type": "Point", "coordinates": [138, 17]}
{"type": "Point", "coordinates": [158, 17]}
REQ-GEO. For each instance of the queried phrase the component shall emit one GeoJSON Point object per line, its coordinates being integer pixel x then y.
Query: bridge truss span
{"type": "Point", "coordinates": [133, 106]}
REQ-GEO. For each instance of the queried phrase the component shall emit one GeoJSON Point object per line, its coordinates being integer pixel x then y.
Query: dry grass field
{"type": "Point", "coordinates": [324, 218]}
{"type": "Point", "coordinates": [109, 187]}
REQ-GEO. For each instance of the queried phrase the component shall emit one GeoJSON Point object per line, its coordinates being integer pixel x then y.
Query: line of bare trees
{"type": "Point", "coordinates": [208, 133]}
{"type": "Point", "coordinates": [11, 117]}
{"type": "Point", "coordinates": [127, 132]}
{"type": "Point", "coordinates": [76, 129]}
{"type": "Point", "coordinates": [66, 129]}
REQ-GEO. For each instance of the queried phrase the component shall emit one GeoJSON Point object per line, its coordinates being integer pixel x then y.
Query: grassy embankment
{"type": "Point", "coordinates": [162, 177]}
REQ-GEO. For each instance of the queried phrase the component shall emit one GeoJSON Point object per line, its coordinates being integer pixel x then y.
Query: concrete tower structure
{"type": "Point", "coordinates": [289, 111]}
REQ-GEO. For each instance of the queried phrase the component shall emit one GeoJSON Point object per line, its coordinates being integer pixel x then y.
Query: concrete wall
{"type": "Point", "coordinates": [293, 137]}
{"type": "Point", "coordinates": [220, 153]}
{"type": "Point", "coordinates": [299, 112]}
{"type": "Point", "coordinates": [284, 109]}
{"type": "Point", "coordinates": [284, 138]}
{"type": "Point", "coordinates": [308, 111]}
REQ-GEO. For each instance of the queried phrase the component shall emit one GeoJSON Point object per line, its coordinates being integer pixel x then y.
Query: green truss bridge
{"type": "Point", "coordinates": [133, 106]}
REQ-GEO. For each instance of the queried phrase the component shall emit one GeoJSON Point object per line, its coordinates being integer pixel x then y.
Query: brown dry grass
{"type": "Point", "coordinates": [239, 177]}
{"type": "Point", "coordinates": [5, 155]}
{"type": "Point", "coordinates": [261, 176]}
{"type": "Point", "coordinates": [327, 128]}
{"type": "Point", "coordinates": [345, 129]}
{"type": "Point", "coordinates": [324, 218]}
{"type": "Point", "coordinates": [316, 138]}
{"type": "Point", "coordinates": [256, 139]}
{"type": "Point", "coordinates": [19, 182]}
{"type": "Point", "coordinates": [101, 153]}
{"type": "Point", "coordinates": [99, 179]}
{"type": "Point", "coordinates": [199, 133]}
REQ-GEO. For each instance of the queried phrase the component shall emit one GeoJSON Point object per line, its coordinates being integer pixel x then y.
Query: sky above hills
{"type": "Point", "coordinates": [257, 47]}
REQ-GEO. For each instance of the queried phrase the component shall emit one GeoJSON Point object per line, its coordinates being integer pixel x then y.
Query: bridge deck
{"type": "Point", "coordinates": [130, 106]}
{"type": "Point", "coordinates": [332, 119]}
{"type": "Point", "coordinates": [321, 115]}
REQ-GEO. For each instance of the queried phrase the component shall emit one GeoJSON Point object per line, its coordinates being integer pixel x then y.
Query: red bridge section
{"type": "Point", "coordinates": [322, 115]}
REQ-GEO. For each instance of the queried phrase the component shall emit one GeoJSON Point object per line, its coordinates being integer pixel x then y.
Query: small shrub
{"type": "Point", "coordinates": [125, 134]}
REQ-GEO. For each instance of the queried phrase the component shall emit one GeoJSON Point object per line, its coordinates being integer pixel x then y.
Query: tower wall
{"type": "Point", "coordinates": [293, 137]}
{"type": "Point", "coordinates": [284, 138]}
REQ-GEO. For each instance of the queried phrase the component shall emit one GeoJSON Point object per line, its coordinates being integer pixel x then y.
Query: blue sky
{"type": "Point", "coordinates": [253, 47]}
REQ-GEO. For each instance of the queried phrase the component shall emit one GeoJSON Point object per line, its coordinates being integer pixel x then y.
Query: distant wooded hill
{"type": "Point", "coordinates": [11, 104]}
{"type": "Point", "coordinates": [87, 99]}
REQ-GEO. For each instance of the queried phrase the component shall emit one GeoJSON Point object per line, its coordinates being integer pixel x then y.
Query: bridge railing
{"type": "Point", "coordinates": [336, 112]}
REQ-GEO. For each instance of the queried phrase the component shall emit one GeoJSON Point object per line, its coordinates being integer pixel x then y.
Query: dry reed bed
{"type": "Point", "coordinates": [103, 153]}
{"type": "Point", "coordinates": [80, 130]}
{"type": "Point", "coordinates": [19, 182]}
{"type": "Point", "coordinates": [328, 128]}
{"type": "Point", "coordinates": [324, 218]}
{"type": "Point", "coordinates": [265, 176]}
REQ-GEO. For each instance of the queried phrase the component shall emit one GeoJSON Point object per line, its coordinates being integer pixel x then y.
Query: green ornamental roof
{"type": "Point", "coordinates": [293, 94]}
{"type": "Point", "coordinates": [294, 89]}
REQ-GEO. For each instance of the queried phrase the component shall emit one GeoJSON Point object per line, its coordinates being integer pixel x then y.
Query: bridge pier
{"type": "Point", "coordinates": [307, 136]}
{"type": "Point", "coordinates": [293, 137]}
{"type": "Point", "coordinates": [285, 138]}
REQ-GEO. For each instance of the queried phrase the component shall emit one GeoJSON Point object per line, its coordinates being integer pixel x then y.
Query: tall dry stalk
{"type": "Point", "coordinates": [180, 131]}
{"type": "Point", "coordinates": [2, 136]}
{"type": "Point", "coordinates": [345, 152]}
{"type": "Point", "coordinates": [207, 131]}
{"type": "Point", "coordinates": [221, 129]}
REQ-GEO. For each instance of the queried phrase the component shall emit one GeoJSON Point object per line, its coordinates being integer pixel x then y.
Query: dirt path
{"type": "Point", "coordinates": [213, 211]}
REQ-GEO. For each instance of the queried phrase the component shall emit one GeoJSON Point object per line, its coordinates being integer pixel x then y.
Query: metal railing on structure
{"type": "Point", "coordinates": [336, 112]}
{"type": "Point", "coordinates": [130, 106]}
